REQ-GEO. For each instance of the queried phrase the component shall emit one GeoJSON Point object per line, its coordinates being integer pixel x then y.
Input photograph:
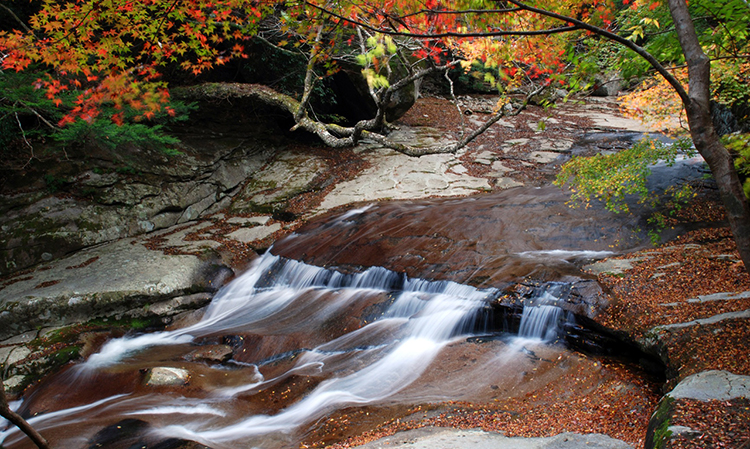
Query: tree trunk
{"type": "Point", "coordinates": [704, 135]}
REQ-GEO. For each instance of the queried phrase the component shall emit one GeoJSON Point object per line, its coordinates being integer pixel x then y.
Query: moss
{"type": "Point", "coordinates": [125, 323]}
{"type": "Point", "coordinates": [65, 355]}
{"type": "Point", "coordinates": [658, 433]}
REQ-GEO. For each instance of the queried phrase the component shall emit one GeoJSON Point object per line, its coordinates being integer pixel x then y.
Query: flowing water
{"type": "Point", "coordinates": [308, 341]}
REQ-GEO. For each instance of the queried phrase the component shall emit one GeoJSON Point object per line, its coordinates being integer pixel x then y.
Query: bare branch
{"type": "Point", "coordinates": [10, 11]}
{"type": "Point", "coordinates": [25, 140]}
{"type": "Point", "coordinates": [455, 102]}
{"type": "Point", "coordinates": [309, 76]}
{"type": "Point", "coordinates": [18, 421]}
{"type": "Point", "coordinates": [42, 119]}
{"type": "Point", "coordinates": [461, 12]}
{"type": "Point", "coordinates": [496, 117]}
{"type": "Point", "coordinates": [276, 47]}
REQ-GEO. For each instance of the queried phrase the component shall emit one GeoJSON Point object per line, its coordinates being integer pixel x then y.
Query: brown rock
{"type": "Point", "coordinates": [210, 354]}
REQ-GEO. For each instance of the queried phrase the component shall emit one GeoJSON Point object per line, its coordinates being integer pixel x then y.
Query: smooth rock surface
{"type": "Point", "coordinates": [440, 438]}
{"type": "Point", "coordinates": [166, 376]}
{"type": "Point", "coordinates": [100, 281]}
{"type": "Point", "coordinates": [248, 235]}
{"type": "Point", "coordinates": [394, 175]}
{"type": "Point", "coordinates": [712, 385]}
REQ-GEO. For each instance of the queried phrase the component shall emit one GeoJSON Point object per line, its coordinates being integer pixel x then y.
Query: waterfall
{"type": "Point", "coordinates": [402, 325]}
{"type": "Point", "coordinates": [540, 322]}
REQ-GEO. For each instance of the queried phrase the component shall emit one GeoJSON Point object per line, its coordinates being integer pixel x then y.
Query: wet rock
{"type": "Point", "coordinates": [174, 305]}
{"type": "Point", "coordinates": [135, 433]}
{"type": "Point", "coordinates": [166, 377]}
{"type": "Point", "coordinates": [210, 354]}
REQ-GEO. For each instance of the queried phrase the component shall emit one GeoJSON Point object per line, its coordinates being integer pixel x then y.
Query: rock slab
{"type": "Point", "coordinates": [439, 438]}
{"type": "Point", "coordinates": [103, 281]}
{"type": "Point", "coordinates": [712, 385]}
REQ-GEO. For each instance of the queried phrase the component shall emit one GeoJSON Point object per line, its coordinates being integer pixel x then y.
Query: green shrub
{"type": "Point", "coordinates": [739, 145]}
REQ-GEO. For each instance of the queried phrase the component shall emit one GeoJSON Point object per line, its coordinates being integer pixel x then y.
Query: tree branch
{"type": "Point", "coordinates": [309, 74]}
{"type": "Point", "coordinates": [496, 117]}
{"type": "Point", "coordinates": [10, 11]}
{"type": "Point", "coordinates": [617, 38]}
{"type": "Point", "coordinates": [499, 33]}
{"type": "Point", "coordinates": [18, 421]}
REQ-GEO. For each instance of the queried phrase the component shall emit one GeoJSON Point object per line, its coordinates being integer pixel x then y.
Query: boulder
{"type": "Point", "coordinates": [607, 84]}
{"type": "Point", "coordinates": [135, 433]}
{"type": "Point", "coordinates": [714, 385]}
{"type": "Point", "coordinates": [166, 376]}
{"type": "Point", "coordinates": [122, 278]}
{"type": "Point", "coordinates": [356, 103]}
{"type": "Point", "coordinates": [549, 96]}
{"type": "Point", "coordinates": [101, 207]}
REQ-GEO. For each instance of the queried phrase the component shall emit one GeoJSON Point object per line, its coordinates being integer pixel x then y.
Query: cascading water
{"type": "Point", "coordinates": [307, 342]}
{"type": "Point", "coordinates": [402, 327]}
{"type": "Point", "coordinates": [543, 320]}
{"type": "Point", "coordinates": [540, 322]}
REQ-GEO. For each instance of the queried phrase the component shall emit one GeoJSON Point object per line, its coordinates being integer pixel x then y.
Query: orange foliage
{"type": "Point", "coordinates": [109, 51]}
{"type": "Point", "coordinates": [657, 104]}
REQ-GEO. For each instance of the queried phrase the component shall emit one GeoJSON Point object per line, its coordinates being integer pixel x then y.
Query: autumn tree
{"type": "Point", "coordinates": [109, 56]}
{"type": "Point", "coordinates": [510, 25]}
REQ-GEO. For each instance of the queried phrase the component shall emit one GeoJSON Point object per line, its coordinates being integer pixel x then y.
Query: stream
{"type": "Point", "coordinates": [375, 310]}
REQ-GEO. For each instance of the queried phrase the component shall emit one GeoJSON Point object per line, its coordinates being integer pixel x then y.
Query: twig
{"type": "Point", "coordinates": [44, 120]}
{"type": "Point", "coordinates": [455, 102]}
{"type": "Point", "coordinates": [10, 11]}
{"type": "Point", "coordinates": [23, 134]}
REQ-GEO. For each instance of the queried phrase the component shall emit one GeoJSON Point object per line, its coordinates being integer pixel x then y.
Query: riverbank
{"type": "Point", "coordinates": [655, 293]}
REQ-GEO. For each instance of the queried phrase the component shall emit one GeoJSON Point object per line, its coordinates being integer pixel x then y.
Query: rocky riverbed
{"type": "Point", "coordinates": [687, 301]}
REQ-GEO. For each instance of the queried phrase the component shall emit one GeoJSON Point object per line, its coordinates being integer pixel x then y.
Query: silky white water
{"type": "Point", "coordinates": [407, 324]}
